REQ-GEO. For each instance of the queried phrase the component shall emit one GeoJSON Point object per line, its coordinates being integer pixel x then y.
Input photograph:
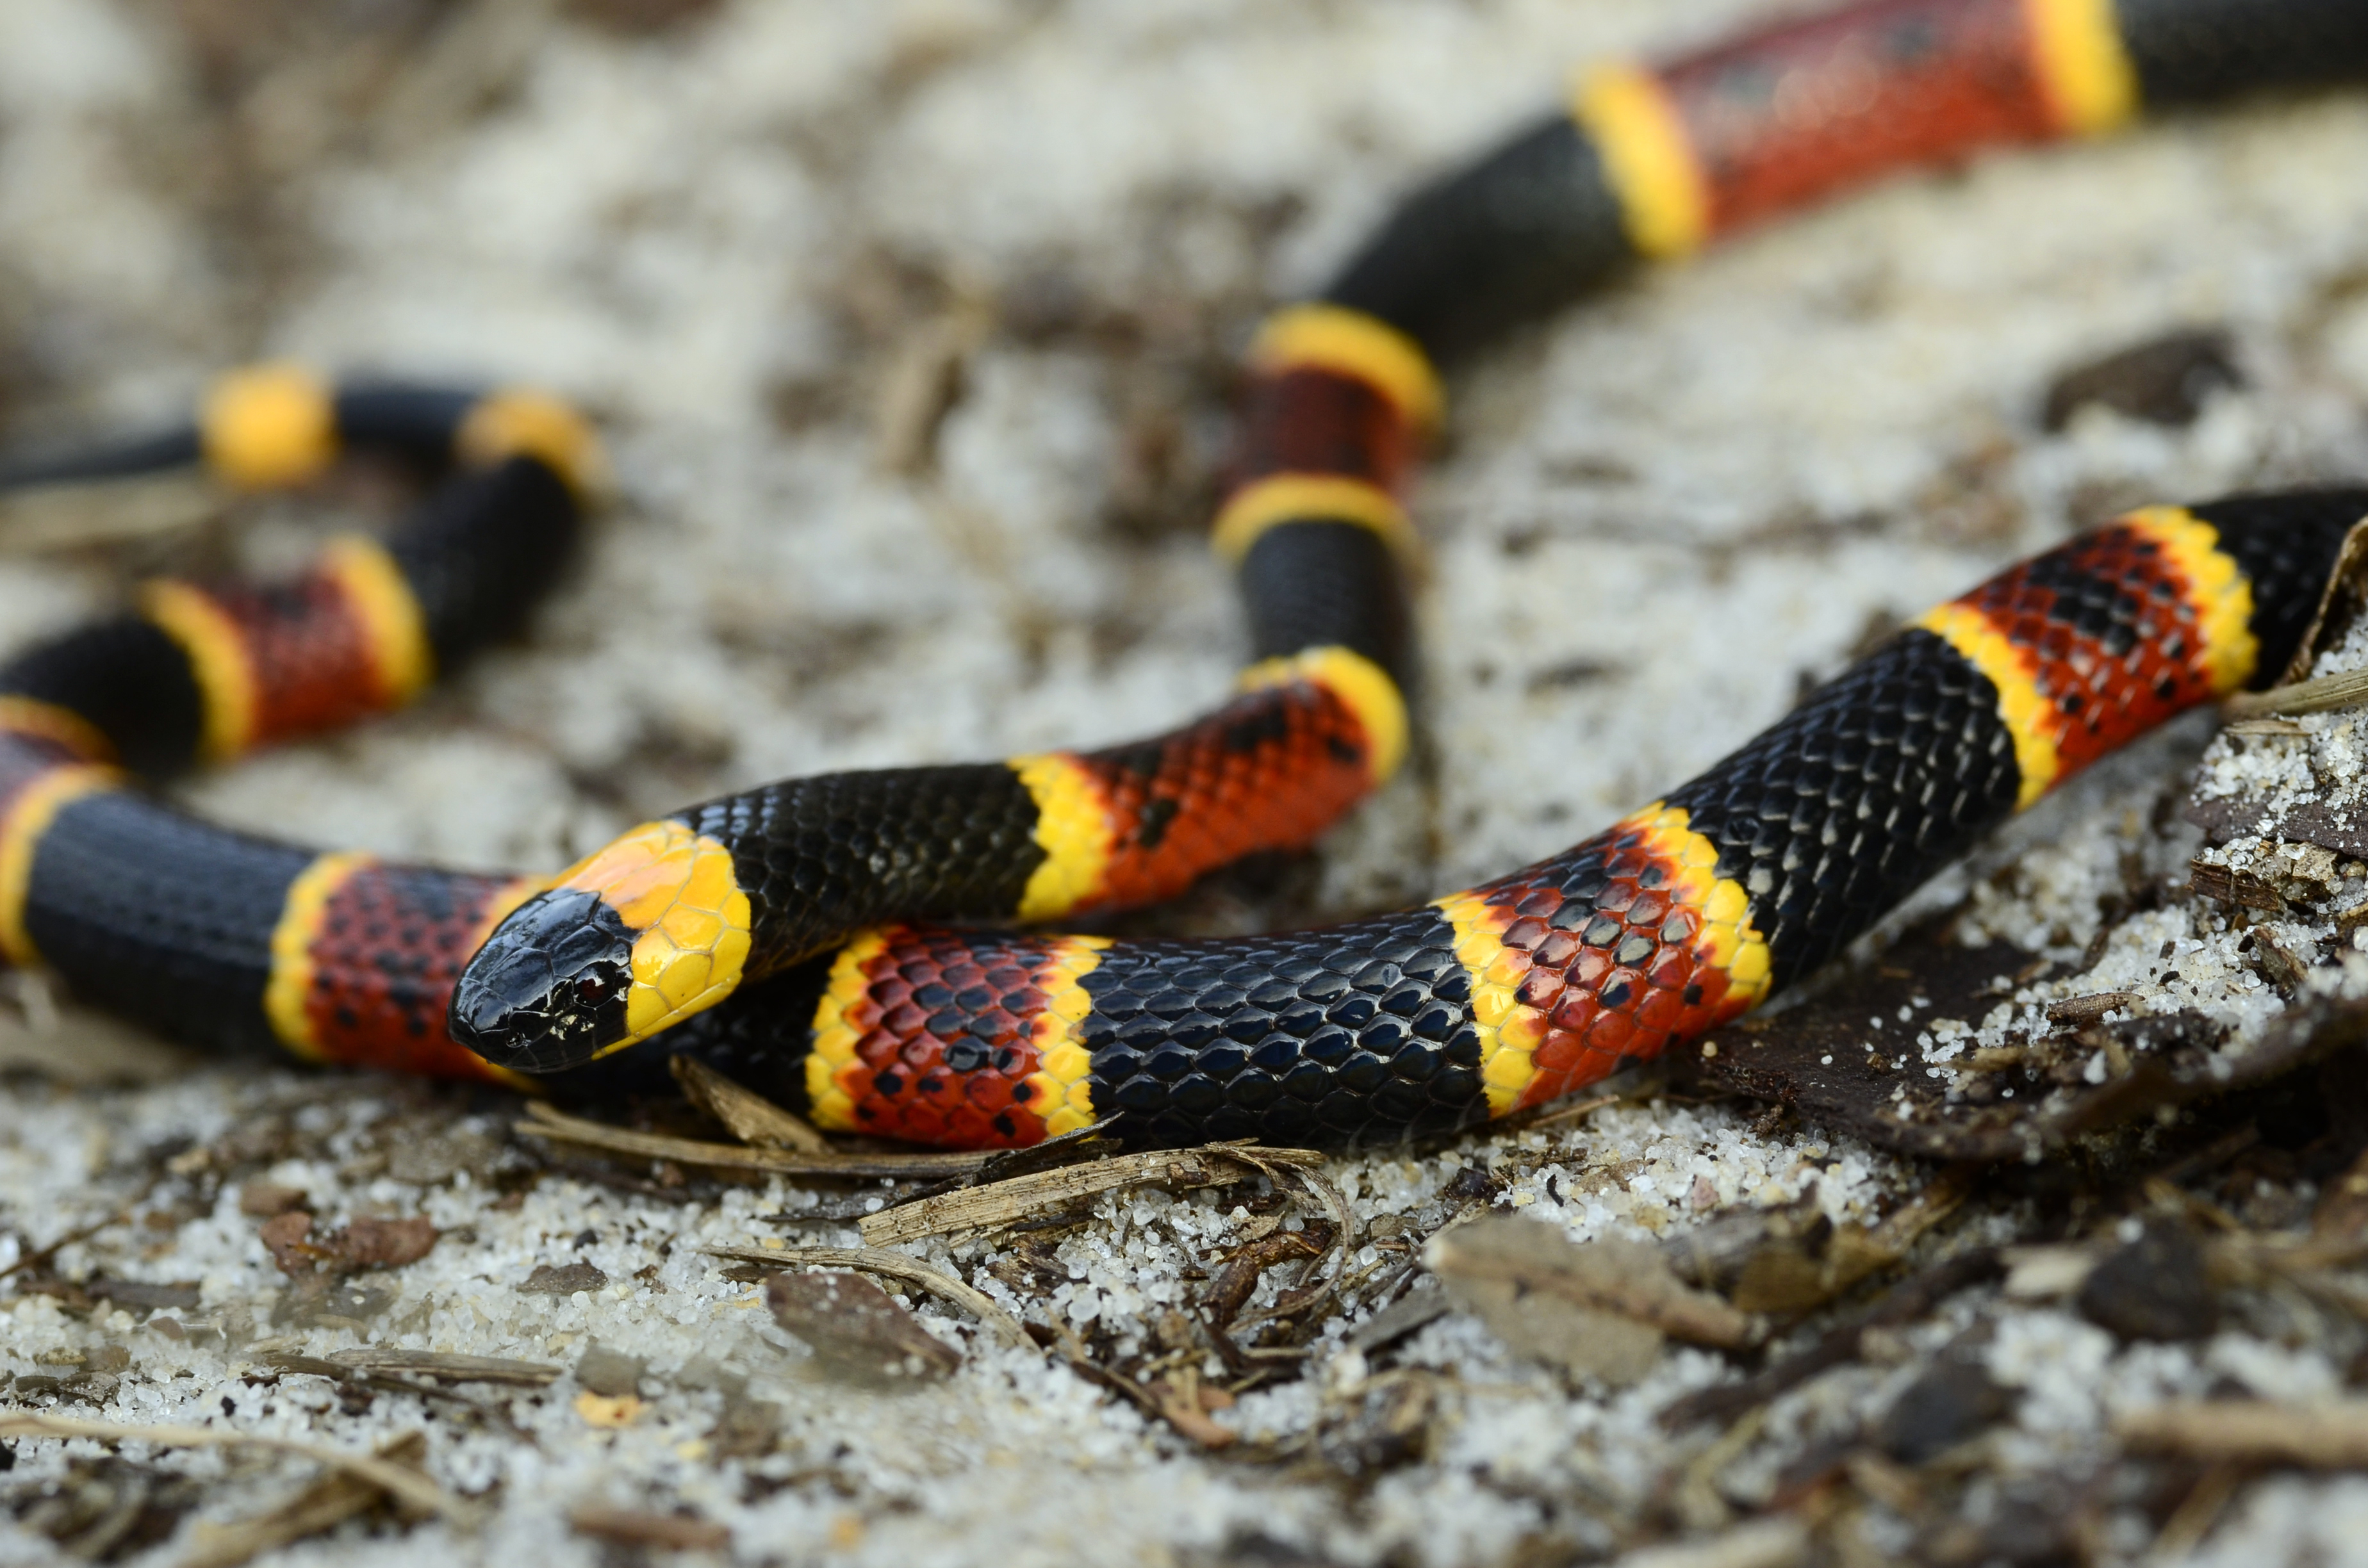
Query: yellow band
{"type": "Point", "coordinates": [2029, 717]}
{"type": "Point", "coordinates": [1510, 1030]}
{"type": "Point", "coordinates": [1061, 1090]}
{"type": "Point", "coordinates": [2217, 588]}
{"type": "Point", "coordinates": [29, 815]}
{"type": "Point", "coordinates": [512, 424]}
{"type": "Point", "coordinates": [1350, 343]}
{"type": "Point", "coordinates": [674, 890]}
{"type": "Point", "coordinates": [1363, 686]}
{"type": "Point", "coordinates": [268, 426]}
{"type": "Point", "coordinates": [217, 662]}
{"type": "Point", "coordinates": [1648, 159]}
{"type": "Point", "coordinates": [1728, 938]}
{"type": "Point", "coordinates": [288, 993]}
{"type": "Point", "coordinates": [1074, 829]}
{"type": "Point", "coordinates": [2083, 65]}
{"type": "Point", "coordinates": [1308, 498]}
{"type": "Point", "coordinates": [829, 1103]}
{"type": "Point", "coordinates": [382, 600]}
{"type": "Point", "coordinates": [61, 726]}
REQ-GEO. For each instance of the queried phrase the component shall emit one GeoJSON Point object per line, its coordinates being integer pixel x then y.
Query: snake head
{"type": "Point", "coordinates": [631, 940]}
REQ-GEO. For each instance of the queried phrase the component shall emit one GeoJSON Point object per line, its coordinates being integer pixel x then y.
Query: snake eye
{"type": "Point", "coordinates": [592, 989]}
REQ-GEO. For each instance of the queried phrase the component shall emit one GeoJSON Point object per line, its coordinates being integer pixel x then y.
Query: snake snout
{"type": "Point", "coordinates": [547, 992]}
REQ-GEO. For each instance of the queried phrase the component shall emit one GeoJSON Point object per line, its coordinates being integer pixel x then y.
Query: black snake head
{"type": "Point", "coordinates": [547, 992]}
{"type": "Point", "coordinates": [632, 940]}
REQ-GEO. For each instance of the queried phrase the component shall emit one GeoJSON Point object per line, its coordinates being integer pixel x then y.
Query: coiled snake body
{"type": "Point", "coordinates": [862, 946]}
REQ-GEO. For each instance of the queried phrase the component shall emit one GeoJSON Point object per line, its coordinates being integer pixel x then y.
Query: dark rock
{"type": "Point", "coordinates": [1952, 1401]}
{"type": "Point", "coordinates": [2153, 1288]}
{"type": "Point", "coordinates": [1470, 1185]}
{"type": "Point", "coordinates": [2164, 382]}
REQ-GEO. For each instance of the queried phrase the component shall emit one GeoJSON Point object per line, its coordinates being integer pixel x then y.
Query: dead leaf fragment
{"type": "Point", "coordinates": [1597, 1309]}
{"type": "Point", "coordinates": [668, 1532]}
{"type": "Point", "coordinates": [562, 1279]}
{"type": "Point", "coordinates": [265, 1198]}
{"type": "Point", "coordinates": [1631, 1279]}
{"type": "Point", "coordinates": [365, 1242]}
{"type": "Point", "coordinates": [856, 1328]}
{"type": "Point", "coordinates": [368, 1243]}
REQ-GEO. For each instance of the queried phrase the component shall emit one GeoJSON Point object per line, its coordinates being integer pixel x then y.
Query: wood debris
{"type": "Point", "coordinates": [1796, 1275]}
{"type": "Point", "coordinates": [404, 1485]}
{"type": "Point", "coordinates": [1816, 1059]}
{"type": "Point", "coordinates": [2229, 885]}
{"type": "Point", "coordinates": [637, 1528]}
{"type": "Point", "coordinates": [143, 1295]}
{"type": "Point", "coordinates": [2077, 1011]}
{"type": "Point", "coordinates": [1777, 1542]}
{"type": "Point", "coordinates": [994, 1204]}
{"type": "Point", "coordinates": [2328, 1435]}
{"type": "Point", "coordinates": [752, 1118]}
{"type": "Point", "coordinates": [2327, 694]}
{"type": "Point", "coordinates": [384, 1360]}
{"type": "Point", "coordinates": [1904, 1304]}
{"type": "Point", "coordinates": [1397, 1320]}
{"type": "Point", "coordinates": [542, 1122]}
{"type": "Point", "coordinates": [322, 1507]}
{"type": "Point", "coordinates": [1229, 1287]}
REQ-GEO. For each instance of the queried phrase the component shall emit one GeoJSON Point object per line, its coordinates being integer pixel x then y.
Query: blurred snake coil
{"type": "Point", "coordinates": [864, 947]}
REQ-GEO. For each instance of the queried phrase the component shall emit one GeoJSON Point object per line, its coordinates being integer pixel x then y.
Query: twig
{"type": "Point", "coordinates": [996, 1203]}
{"type": "Point", "coordinates": [1302, 1298]}
{"type": "Point", "coordinates": [406, 1484]}
{"type": "Point", "coordinates": [320, 1508]}
{"type": "Point", "coordinates": [544, 1123]}
{"type": "Point", "coordinates": [752, 1118]}
{"type": "Point", "coordinates": [2332, 1435]}
{"type": "Point", "coordinates": [1904, 1302]}
{"type": "Point", "coordinates": [893, 1266]}
{"type": "Point", "coordinates": [2325, 695]}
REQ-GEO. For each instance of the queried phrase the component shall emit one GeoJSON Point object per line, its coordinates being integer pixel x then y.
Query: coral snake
{"type": "Point", "coordinates": [863, 945]}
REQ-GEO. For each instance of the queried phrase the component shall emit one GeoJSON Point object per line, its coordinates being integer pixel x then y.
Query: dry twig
{"type": "Point", "coordinates": [891, 1265]}
{"type": "Point", "coordinates": [404, 1484]}
{"type": "Point", "coordinates": [542, 1122]}
{"type": "Point", "coordinates": [999, 1203]}
{"type": "Point", "coordinates": [324, 1506]}
{"type": "Point", "coordinates": [752, 1118]}
{"type": "Point", "coordinates": [2332, 1435]}
{"type": "Point", "coordinates": [2327, 694]}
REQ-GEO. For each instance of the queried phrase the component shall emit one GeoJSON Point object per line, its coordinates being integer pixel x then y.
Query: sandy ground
{"type": "Point", "coordinates": [747, 237]}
